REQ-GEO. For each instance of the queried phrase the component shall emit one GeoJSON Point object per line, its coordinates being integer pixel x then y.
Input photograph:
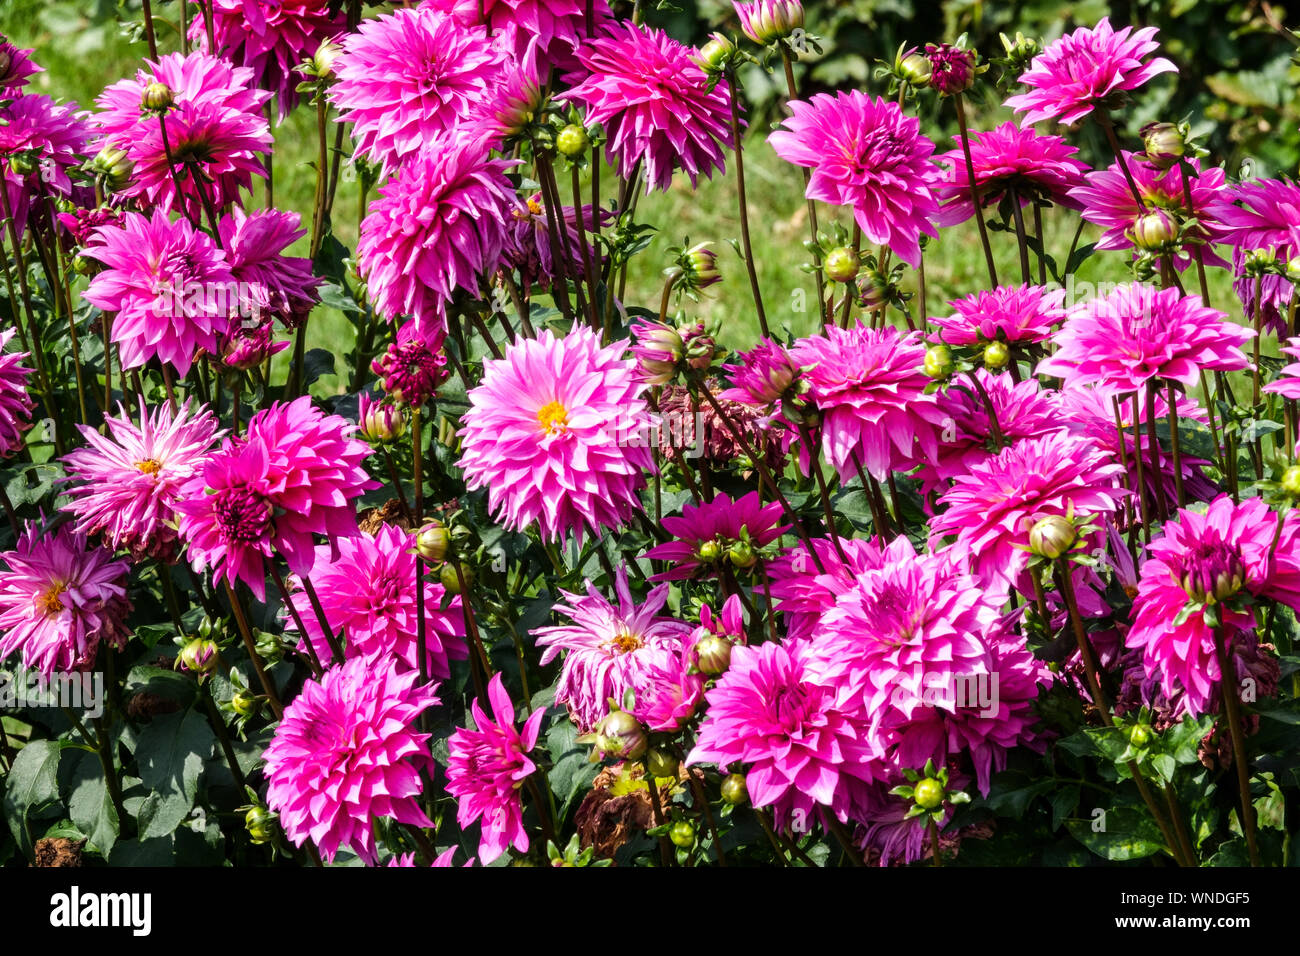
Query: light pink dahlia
{"type": "Point", "coordinates": [722, 521]}
{"type": "Point", "coordinates": [1224, 557]}
{"type": "Point", "coordinates": [15, 404]}
{"type": "Point", "coordinates": [656, 104]}
{"type": "Point", "coordinates": [1140, 334]}
{"type": "Point", "coordinates": [51, 136]}
{"type": "Point", "coordinates": [407, 76]}
{"type": "Point", "coordinates": [1086, 69]}
{"type": "Point", "coordinates": [170, 286]}
{"type": "Point", "coordinates": [1034, 166]}
{"type": "Point", "coordinates": [610, 648]}
{"type": "Point", "coordinates": [59, 599]}
{"type": "Point", "coordinates": [487, 768]}
{"type": "Point", "coordinates": [546, 34]}
{"type": "Point", "coordinates": [271, 284]}
{"type": "Point", "coordinates": [866, 154]}
{"type": "Point", "coordinates": [127, 482]}
{"type": "Point", "coordinates": [366, 586]}
{"type": "Point", "coordinates": [346, 753]}
{"type": "Point", "coordinates": [1017, 315]}
{"type": "Point", "coordinates": [556, 431]}
{"type": "Point", "coordinates": [439, 225]}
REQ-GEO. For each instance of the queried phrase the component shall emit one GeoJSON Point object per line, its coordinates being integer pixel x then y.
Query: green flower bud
{"type": "Point", "coordinates": [939, 362]}
{"type": "Point", "coordinates": [157, 98]}
{"type": "Point", "coordinates": [1139, 735]}
{"type": "Point", "coordinates": [572, 141]}
{"type": "Point", "coordinates": [199, 656]}
{"type": "Point", "coordinates": [432, 543]}
{"type": "Point", "coordinates": [260, 823]}
{"type": "Point", "coordinates": [1155, 231]}
{"type": "Point", "coordinates": [1164, 144]}
{"type": "Point", "coordinates": [929, 794]}
{"type": "Point", "coordinates": [449, 579]}
{"type": "Point", "coordinates": [245, 703]}
{"type": "Point", "coordinates": [713, 655]}
{"type": "Point", "coordinates": [621, 736]}
{"type": "Point", "coordinates": [715, 55]}
{"type": "Point", "coordinates": [842, 264]}
{"type": "Point", "coordinates": [996, 356]}
{"type": "Point", "coordinates": [1291, 481]}
{"type": "Point", "coordinates": [709, 551]}
{"type": "Point", "coordinates": [682, 834]}
{"type": "Point", "coordinates": [734, 790]}
{"type": "Point", "coordinates": [1052, 536]}
{"type": "Point", "coordinates": [742, 554]}
{"type": "Point", "coordinates": [661, 763]}
{"type": "Point", "coordinates": [915, 68]}
{"type": "Point", "coordinates": [322, 61]}
{"type": "Point", "coordinates": [114, 166]}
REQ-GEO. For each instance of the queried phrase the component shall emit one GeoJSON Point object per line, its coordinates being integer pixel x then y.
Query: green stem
{"type": "Point", "coordinates": [974, 187]}
{"type": "Point", "coordinates": [1232, 713]}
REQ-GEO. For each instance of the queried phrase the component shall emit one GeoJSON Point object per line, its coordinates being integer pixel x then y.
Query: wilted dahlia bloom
{"type": "Point", "coordinates": [127, 482]}
{"type": "Point", "coordinates": [692, 429]}
{"type": "Point", "coordinates": [871, 390]}
{"type": "Point", "coordinates": [346, 752]}
{"type": "Point", "coordinates": [1017, 315]}
{"type": "Point", "coordinates": [720, 523]}
{"type": "Point", "coordinates": [1086, 69]}
{"type": "Point", "coordinates": [407, 76]}
{"type": "Point", "coordinates": [270, 283]}
{"type": "Point", "coordinates": [414, 366]}
{"type": "Point", "coordinates": [15, 404]}
{"type": "Point", "coordinates": [609, 648]}
{"type": "Point", "coordinates": [545, 33]}
{"type": "Point", "coordinates": [52, 138]}
{"type": "Point", "coordinates": [59, 599]}
{"type": "Point", "coordinates": [556, 431]}
{"type": "Point", "coordinates": [438, 226]}
{"type": "Point", "coordinates": [1262, 215]}
{"type": "Point", "coordinates": [866, 154]}
{"type": "Point", "coordinates": [486, 770]}
{"type": "Point", "coordinates": [1140, 334]}
{"type": "Point", "coordinates": [1008, 160]}
{"type": "Point", "coordinates": [655, 103]}
{"type": "Point", "coordinates": [169, 285]}
{"type": "Point", "coordinates": [215, 126]}
{"type": "Point", "coordinates": [1224, 557]}
{"type": "Point", "coordinates": [366, 586]}
{"type": "Point", "coordinates": [18, 65]}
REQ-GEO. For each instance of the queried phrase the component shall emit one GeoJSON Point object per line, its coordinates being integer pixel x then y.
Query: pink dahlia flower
{"type": "Point", "coordinates": [1086, 69]}
{"type": "Point", "coordinates": [610, 649]}
{"type": "Point", "coordinates": [170, 286]}
{"type": "Point", "coordinates": [52, 136]}
{"type": "Point", "coordinates": [530, 240]}
{"type": "Point", "coordinates": [1287, 384]}
{"type": "Point", "coordinates": [1261, 215]}
{"type": "Point", "coordinates": [345, 753]}
{"type": "Point", "coordinates": [270, 39]}
{"type": "Point", "coordinates": [546, 34]}
{"type": "Point", "coordinates": [871, 390]}
{"type": "Point", "coordinates": [59, 599]}
{"type": "Point", "coordinates": [670, 693]}
{"type": "Point", "coordinates": [1017, 315]}
{"type": "Point", "coordinates": [657, 106]}
{"type": "Point", "coordinates": [866, 154]}
{"type": "Point", "coordinates": [802, 741]}
{"type": "Point", "coordinates": [1008, 160]}
{"type": "Point", "coordinates": [246, 345]}
{"type": "Point", "coordinates": [414, 366]}
{"type": "Point", "coordinates": [407, 76]}
{"type": "Point", "coordinates": [1224, 554]}
{"type": "Point", "coordinates": [216, 126]}
{"type": "Point", "coordinates": [366, 586]}
{"type": "Point", "coordinates": [762, 376]}
{"type": "Point", "coordinates": [722, 521]}
{"type": "Point", "coordinates": [438, 226]}
{"type": "Point", "coordinates": [15, 404]}
{"type": "Point", "coordinates": [1140, 334]}
{"type": "Point", "coordinates": [271, 283]}
{"type": "Point", "coordinates": [17, 65]}
{"type": "Point", "coordinates": [487, 768]}
{"type": "Point", "coordinates": [991, 509]}
{"type": "Point", "coordinates": [556, 431]}
{"type": "Point", "coordinates": [804, 589]}
{"type": "Point", "coordinates": [128, 481]}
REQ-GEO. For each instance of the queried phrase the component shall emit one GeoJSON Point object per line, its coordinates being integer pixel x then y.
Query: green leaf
{"type": "Point", "coordinates": [171, 752]}
{"type": "Point", "coordinates": [1063, 803]}
{"type": "Point", "coordinates": [571, 771]}
{"type": "Point", "coordinates": [91, 807]}
{"type": "Point", "coordinates": [1129, 834]}
{"type": "Point", "coordinates": [315, 363]}
{"type": "Point", "coordinates": [32, 782]}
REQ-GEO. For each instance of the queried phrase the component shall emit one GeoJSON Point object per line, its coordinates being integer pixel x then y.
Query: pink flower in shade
{"type": "Point", "coordinates": [1018, 315]}
{"type": "Point", "coordinates": [216, 126]}
{"type": "Point", "coordinates": [414, 366]}
{"type": "Point", "coordinates": [546, 33]}
{"type": "Point", "coordinates": [366, 586]}
{"type": "Point", "coordinates": [1140, 334]}
{"type": "Point", "coordinates": [866, 154]}
{"type": "Point", "coordinates": [81, 224]}
{"type": "Point", "coordinates": [487, 768]}
{"type": "Point", "coordinates": [54, 137]}
{"type": "Point", "coordinates": [128, 481]}
{"type": "Point", "coordinates": [1225, 554]}
{"type": "Point", "coordinates": [15, 404]}
{"type": "Point", "coordinates": [723, 520]}
{"type": "Point", "coordinates": [805, 589]}
{"type": "Point", "coordinates": [270, 39]}
{"type": "Point", "coordinates": [244, 347]}
{"type": "Point", "coordinates": [1032, 165]}
{"type": "Point", "coordinates": [439, 225]}
{"type": "Point", "coordinates": [1264, 215]}
{"type": "Point", "coordinates": [610, 648]}
{"type": "Point", "coordinates": [346, 753]}
{"type": "Point", "coordinates": [407, 76]}
{"type": "Point", "coordinates": [1287, 384]}
{"type": "Point", "coordinates": [655, 103]}
{"type": "Point", "coordinates": [169, 285]}
{"type": "Point", "coordinates": [530, 250]}
{"type": "Point", "coordinates": [1107, 201]}
{"type": "Point", "coordinates": [991, 509]}
{"type": "Point", "coordinates": [555, 432]}
{"type": "Point", "coordinates": [1086, 69]}
{"type": "Point", "coordinates": [801, 743]}
{"type": "Point", "coordinates": [670, 694]}
{"type": "Point", "coordinates": [271, 282]}
{"type": "Point", "coordinates": [871, 390]}
{"type": "Point", "coordinates": [59, 599]}
{"type": "Point", "coordinates": [762, 376]}
{"type": "Point", "coordinates": [17, 66]}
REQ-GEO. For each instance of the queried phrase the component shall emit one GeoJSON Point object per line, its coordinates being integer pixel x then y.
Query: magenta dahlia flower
{"type": "Point", "coordinates": [545, 34]}
{"type": "Point", "coordinates": [414, 366]}
{"type": "Point", "coordinates": [59, 600]}
{"type": "Point", "coordinates": [1008, 160]}
{"type": "Point", "coordinates": [721, 522]}
{"type": "Point", "coordinates": [530, 248]}
{"type": "Point", "coordinates": [216, 126]}
{"type": "Point", "coordinates": [1017, 315]}
{"type": "Point", "coordinates": [15, 67]}
{"type": "Point", "coordinates": [1225, 557]}
{"type": "Point", "coordinates": [556, 431]}
{"type": "Point", "coordinates": [763, 375]}
{"type": "Point", "coordinates": [871, 390]}
{"type": "Point", "coordinates": [658, 107]}
{"type": "Point", "coordinates": [805, 589]}
{"type": "Point", "coordinates": [15, 404]}
{"type": "Point", "coordinates": [487, 768]}
{"type": "Point", "coordinates": [366, 586]}
{"type": "Point", "coordinates": [270, 283]}
{"type": "Point", "coordinates": [610, 649]}
{"type": "Point", "coordinates": [410, 75]}
{"type": "Point", "coordinates": [1140, 334]}
{"type": "Point", "coordinates": [128, 481]}
{"type": "Point", "coordinates": [1261, 215]}
{"type": "Point", "coordinates": [439, 225]}
{"type": "Point", "coordinates": [866, 154]}
{"type": "Point", "coordinates": [1086, 69]}
{"type": "Point", "coordinates": [346, 753]}
{"type": "Point", "coordinates": [52, 137]}
{"type": "Point", "coordinates": [1287, 384]}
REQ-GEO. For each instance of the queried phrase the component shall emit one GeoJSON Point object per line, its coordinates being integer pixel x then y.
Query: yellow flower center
{"type": "Point", "coordinates": [49, 601]}
{"type": "Point", "coordinates": [624, 643]}
{"type": "Point", "coordinates": [534, 207]}
{"type": "Point", "coordinates": [150, 466]}
{"type": "Point", "coordinates": [553, 417]}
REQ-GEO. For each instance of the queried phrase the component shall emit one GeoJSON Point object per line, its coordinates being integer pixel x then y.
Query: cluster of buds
{"type": "Point", "coordinates": [1017, 55]}
{"type": "Point", "coordinates": [379, 422]}
{"type": "Point", "coordinates": [768, 21]}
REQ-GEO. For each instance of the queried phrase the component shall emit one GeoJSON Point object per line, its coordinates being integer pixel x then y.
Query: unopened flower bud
{"type": "Point", "coordinates": [938, 362]}
{"type": "Point", "coordinates": [1259, 262]}
{"type": "Point", "coordinates": [714, 56]}
{"type": "Point", "coordinates": [113, 166]}
{"type": "Point", "coordinates": [1154, 231]}
{"type": "Point", "coordinates": [661, 763]}
{"type": "Point", "coordinates": [199, 656]}
{"type": "Point", "coordinates": [82, 265]}
{"type": "Point", "coordinates": [260, 823]}
{"type": "Point", "coordinates": [572, 141]}
{"type": "Point", "coordinates": [1163, 143]}
{"type": "Point", "coordinates": [699, 348]}
{"type": "Point", "coordinates": [1293, 270]}
{"type": "Point", "coordinates": [734, 790]}
{"type": "Point", "coordinates": [432, 543]}
{"type": "Point", "coordinates": [708, 551]}
{"type": "Point", "coordinates": [713, 655]}
{"type": "Point", "coordinates": [380, 423]}
{"type": "Point", "coordinates": [451, 581]}
{"type": "Point", "coordinates": [157, 97]}
{"type": "Point", "coordinates": [952, 69]}
{"type": "Point", "coordinates": [915, 68]}
{"type": "Point", "coordinates": [928, 794]}
{"type": "Point", "coordinates": [682, 833]}
{"type": "Point", "coordinates": [700, 266]}
{"type": "Point", "coordinates": [1052, 536]}
{"type": "Point", "coordinates": [874, 289]}
{"type": "Point", "coordinates": [24, 163]}
{"type": "Point", "coordinates": [322, 61]}
{"type": "Point", "coordinates": [1291, 481]}
{"type": "Point", "coordinates": [996, 355]}
{"type": "Point", "coordinates": [1139, 735]}
{"type": "Point", "coordinates": [842, 264]}
{"type": "Point", "coordinates": [621, 736]}
{"type": "Point", "coordinates": [245, 703]}
{"type": "Point", "coordinates": [742, 554]}
{"type": "Point", "coordinates": [766, 21]}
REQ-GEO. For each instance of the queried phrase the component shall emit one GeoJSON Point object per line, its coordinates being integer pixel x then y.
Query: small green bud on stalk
{"type": "Point", "coordinates": [157, 98]}
{"type": "Point", "coordinates": [842, 264]}
{"type": "Point", "coordinates": [713, 655]}
{"type": "Point", "coordinates": [996, 356]}
{"type": "Point", "coordinates": [939, 362]}
{"type": "Point", "coordinates": [572, 141]}
{"type": "Point", "coordinates": [682, 834]}
{"type": "Point", "coordinates": [734, 790]}
{"type": "Point", "coordinates": [1052, 536]}
{"type": "Point", "coordinates": [621, 736]}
